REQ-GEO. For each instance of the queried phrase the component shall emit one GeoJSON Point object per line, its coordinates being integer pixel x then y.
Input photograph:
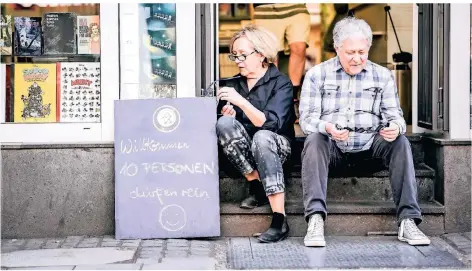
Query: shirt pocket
{"type": "Point", "coordinates": [370, 99]}
{"type": "Point", "coordinates": [330, 93]}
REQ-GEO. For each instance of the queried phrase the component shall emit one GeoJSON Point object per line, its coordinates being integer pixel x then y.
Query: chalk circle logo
{"type": "Point", "coordinates": [173, 217]}
{"type": "Point", "coordinates": [166, 118]}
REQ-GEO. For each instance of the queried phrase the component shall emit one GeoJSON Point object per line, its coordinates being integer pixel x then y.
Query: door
{"type": "Point", "coordinates": [433, 59]}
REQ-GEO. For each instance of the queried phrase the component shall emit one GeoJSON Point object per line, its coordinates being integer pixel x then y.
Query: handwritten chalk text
{"type": "Point", "coordinates": [162, 193]}
{"type": "Point", "coordinates": [149, 145]}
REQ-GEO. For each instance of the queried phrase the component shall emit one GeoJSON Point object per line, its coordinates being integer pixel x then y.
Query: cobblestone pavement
{"type": "Point", "coordinates": [149, 254]}
{"type": "Point", "coordinates": [461, 246]}
{"type": "Point", "coordinates": [449, 250]}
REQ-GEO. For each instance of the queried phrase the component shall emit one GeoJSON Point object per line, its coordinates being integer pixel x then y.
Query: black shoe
{"type": "Point", "coordinates": [277, 231]}
{"type": "Point", "coordinates": [251, 202]}
{"type": "Point", "coordinates": [257, 196]}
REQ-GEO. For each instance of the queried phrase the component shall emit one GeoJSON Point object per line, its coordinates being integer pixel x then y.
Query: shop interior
{"type": "Point", "coordinates": [391, 46]}
{"type": "Point", "coordinates": [233, 17]}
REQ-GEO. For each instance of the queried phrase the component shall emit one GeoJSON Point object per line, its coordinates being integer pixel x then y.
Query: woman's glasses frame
{"type": "Point", "coordinates": [241, 57]}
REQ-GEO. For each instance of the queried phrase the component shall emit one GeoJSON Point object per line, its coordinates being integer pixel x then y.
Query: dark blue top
{"type": "Point", "coordinates": [273, 95]}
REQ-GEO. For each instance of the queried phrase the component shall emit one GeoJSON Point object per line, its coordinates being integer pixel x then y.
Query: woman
{"type": "Point", "coordinates": [256, 129]}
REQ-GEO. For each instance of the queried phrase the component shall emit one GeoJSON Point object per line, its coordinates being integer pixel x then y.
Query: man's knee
{"type": "Point", "coordinates": [401, 142]}
{"type": "Point", "coordinates": [225, 124]}
{"type": "Point", "coordinates": [316, 140]}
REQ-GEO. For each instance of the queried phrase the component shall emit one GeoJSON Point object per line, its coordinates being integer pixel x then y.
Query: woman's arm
{"type": "Point", "coordinates": [257, 117]}
{"type": "Point", "coordinates": [277, 110]}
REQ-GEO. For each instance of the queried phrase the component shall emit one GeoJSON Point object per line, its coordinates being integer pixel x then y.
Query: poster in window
{"type": "Point", "coordinates": [28, 38]}
{"type": "Point", "coordinates": [59, 33]}
{"type": "Point", "coordinates": [88, 35]}
{"type": "Point", "coordinates": [35, 93]}
{"type": "Point", "coordinates": [78, 92]}
{"type": "Point", "coordinates": [160, 43]}
{"type": "Point", "coordinates": [158, 50]}
{"type": "Point", "coordinates": [158, 16]}
{"type": "Point", "coordinates": [5, 35]}
{"type": "Point", "coordinates": [160, 70]}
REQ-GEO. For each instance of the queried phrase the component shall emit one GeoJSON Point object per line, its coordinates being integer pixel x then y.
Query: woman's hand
{"type": "Point", "coordinates": [228, 110]}
{"type": "Point", "coordinates": [231, 95]}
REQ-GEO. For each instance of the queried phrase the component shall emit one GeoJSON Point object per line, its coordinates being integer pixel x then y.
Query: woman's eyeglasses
{"type": "Point", "coordinates": [241, 57]}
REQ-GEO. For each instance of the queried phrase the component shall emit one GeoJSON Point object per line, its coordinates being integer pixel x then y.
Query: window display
{"type": "Point", "coordinates": [51, 55]}
{"type": "Point", "coordinates": [152, 48]}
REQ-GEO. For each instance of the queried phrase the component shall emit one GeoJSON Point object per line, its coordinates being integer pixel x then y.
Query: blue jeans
{"type": "Point", "coordinates": [266, 152]}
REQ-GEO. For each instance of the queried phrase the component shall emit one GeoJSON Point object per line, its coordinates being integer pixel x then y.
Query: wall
{"type": "Point", "coordinates": [452, 161]}
{"type": "Point", "coordinates": [57, 190]}
{"type": "Point", "coordinates": [402, 16]}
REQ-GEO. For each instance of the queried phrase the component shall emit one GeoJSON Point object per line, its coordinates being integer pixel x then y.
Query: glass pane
{"type": "Point", "coordinates": [51, 54]}
{"type": "Point", "coordinates": [148, 51]}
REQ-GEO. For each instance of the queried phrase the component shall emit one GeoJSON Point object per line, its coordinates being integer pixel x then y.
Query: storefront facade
{"type": "Point", "coordinates": [58, 170]}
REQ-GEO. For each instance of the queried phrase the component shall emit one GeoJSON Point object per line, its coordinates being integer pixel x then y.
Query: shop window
{"type": "Point", "coordinates": [51, 57]}
{"type": "Point", "coordinates": [148, 51]}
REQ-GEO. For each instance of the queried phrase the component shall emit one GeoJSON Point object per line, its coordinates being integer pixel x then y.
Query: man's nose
{"type": "Point", "coordinates": [356, 57]}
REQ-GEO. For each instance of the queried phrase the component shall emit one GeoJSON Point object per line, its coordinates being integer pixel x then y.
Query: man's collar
{"type": "Point", "coordinates": [337, 65]}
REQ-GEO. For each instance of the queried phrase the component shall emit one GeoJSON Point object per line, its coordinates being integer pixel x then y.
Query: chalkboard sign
{"type": "Point", "coordinates": [59, 33]}
{"type": "Point", "coordinates": [166, 168]}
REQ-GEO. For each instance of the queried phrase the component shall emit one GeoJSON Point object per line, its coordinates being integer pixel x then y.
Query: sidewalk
{"type": "Point", "coordinates": [106, 253]}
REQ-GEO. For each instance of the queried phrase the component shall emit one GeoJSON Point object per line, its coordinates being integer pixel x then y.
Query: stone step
{"type": "Point", "coordinates": [344, 218]}
{"type": "Point", "coordinates": [346, 187]}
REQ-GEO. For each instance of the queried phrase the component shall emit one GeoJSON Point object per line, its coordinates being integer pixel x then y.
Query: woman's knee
{"type": "Point", "coordinates": [262, 140]}
{"type": "Point", "coordinates": [224, 124]}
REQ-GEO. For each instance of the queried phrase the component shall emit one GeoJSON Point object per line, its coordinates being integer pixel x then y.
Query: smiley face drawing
{"type": "Point", "coordinates": [166, 118]}
{"type": "Point", "coordinates": [173, 217]}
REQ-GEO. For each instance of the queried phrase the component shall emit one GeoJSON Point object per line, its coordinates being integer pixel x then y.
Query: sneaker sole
{"type": "Point", "coordinates": [315, 243]}
{"type": "Point", "coordinates": [415, 242]}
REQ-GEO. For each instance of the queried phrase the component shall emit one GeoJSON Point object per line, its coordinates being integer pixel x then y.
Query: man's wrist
{"type": "Point", "coordinates": [322, 128]}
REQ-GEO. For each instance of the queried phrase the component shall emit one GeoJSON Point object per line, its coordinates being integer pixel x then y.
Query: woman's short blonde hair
{"type": "Point", "coordinates": [264, 42]}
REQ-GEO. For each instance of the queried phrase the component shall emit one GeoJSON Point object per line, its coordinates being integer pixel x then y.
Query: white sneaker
{"type": "Point", "coordinates": [315, 234]}
{"type": "Point", "coordinates": [409, 232]}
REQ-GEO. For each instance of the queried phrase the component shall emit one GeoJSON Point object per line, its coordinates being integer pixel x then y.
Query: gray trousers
{"type": "Point", "coordinates": [266, 152]}
{"type": "Point", "coordinates": [321, 154]}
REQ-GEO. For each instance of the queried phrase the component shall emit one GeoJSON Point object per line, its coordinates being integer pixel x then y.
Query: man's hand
{"type": "Point", "coordinates": [391, 132]}
{"type": "Point", "coordinates": [231, 95]}
{"type": "Point", "coordinates": [337, 135]}
{"type": "Point", "coordinates": [228, 110]}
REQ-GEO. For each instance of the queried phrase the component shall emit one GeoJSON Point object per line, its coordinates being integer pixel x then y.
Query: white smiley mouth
{"type": "Point", "coordinates": [172, 224]}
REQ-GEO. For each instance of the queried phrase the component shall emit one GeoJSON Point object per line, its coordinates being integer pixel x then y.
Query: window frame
{"type": "Point", "coordinates": [47, 133]}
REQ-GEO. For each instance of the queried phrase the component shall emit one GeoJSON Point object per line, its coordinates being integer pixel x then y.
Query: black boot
{"type": "Point", "coordinates": [277, 231]}
{"type": "Point", "coordinates": [257, 196]}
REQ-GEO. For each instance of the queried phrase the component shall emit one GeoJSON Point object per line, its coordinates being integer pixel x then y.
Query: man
{"type": "Point", "coordinates": [291, 25]}
{"type": "Point", "coordinates": [350, 105]}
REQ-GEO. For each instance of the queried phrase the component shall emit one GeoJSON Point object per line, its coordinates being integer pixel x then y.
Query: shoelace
{"type": "Point", "coordinates": [316, 226]}
{"type": "Point", "coordinates": [413, 229]}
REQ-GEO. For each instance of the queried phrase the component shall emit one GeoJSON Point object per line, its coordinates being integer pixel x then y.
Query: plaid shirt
{"type": "Point", "coordinates": [362, 103]}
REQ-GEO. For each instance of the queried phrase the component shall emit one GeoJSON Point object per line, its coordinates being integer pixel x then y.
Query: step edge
{"type": "Point", "coordinates": [421, 170]}
{"type": "Point", "coordinates": [431, 208]}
